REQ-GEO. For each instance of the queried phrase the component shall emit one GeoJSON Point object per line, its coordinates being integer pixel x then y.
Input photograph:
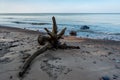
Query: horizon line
{"type": "Point", "coordinates": [54, 13]}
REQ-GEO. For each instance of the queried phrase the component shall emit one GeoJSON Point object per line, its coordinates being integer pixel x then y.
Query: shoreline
{"type": "Point", "coordinates": [38, 32]}
{"type": "Point", "coordinates": [96, 58]}
{"type": "Point", "coordinates": [20, 29]}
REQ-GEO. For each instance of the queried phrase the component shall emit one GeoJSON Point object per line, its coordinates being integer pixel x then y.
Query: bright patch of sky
{"type": "Point", "coordinates": [59, 6]}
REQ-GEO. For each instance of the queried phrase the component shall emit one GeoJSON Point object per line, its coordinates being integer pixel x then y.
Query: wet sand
{"type": "Point", "coordinates": [94, 59]}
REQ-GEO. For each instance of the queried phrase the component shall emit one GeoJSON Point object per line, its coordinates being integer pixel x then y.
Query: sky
{"type": "Point", "coordinates": [59, 6]}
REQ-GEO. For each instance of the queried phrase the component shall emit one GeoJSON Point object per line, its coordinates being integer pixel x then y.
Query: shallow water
{"type": "Point", "coordinates": [102, 26]}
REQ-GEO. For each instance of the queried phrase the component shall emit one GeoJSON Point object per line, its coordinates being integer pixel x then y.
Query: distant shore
{"type": "Point", "coordinates": [95, 59]}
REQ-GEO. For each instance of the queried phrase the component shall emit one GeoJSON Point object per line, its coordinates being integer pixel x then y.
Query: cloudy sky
{"type": "Point", "coordinates": [59, 6]}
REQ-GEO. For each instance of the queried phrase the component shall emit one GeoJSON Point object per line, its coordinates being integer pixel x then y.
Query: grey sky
{"type": "Point", "coordinates": [59, 6]}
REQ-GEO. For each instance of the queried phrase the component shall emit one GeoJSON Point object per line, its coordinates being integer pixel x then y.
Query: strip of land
{"type": "Point", "coordinates": [95, 58]}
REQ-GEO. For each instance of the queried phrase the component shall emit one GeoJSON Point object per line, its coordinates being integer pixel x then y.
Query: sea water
{"type": "Point", "coordinates": [102, 25]}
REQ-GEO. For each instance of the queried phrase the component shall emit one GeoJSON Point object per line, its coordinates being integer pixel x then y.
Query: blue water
{"type": "Point", "coordinates": [102, 26]}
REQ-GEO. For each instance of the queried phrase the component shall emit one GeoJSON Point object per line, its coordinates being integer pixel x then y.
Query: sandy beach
{"type": "Point", "coordinates": [95, 58]}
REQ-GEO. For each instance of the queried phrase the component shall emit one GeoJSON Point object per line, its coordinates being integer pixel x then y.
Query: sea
{"type": "Point", "coordinates": [101, 25]}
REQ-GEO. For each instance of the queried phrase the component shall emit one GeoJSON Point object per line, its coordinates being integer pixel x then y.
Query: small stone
{"type": "Point", "coordinates": [115, 76]}
{"type": "Point", "coordinates": [105, 55]}
{"type": "Point", "coordinates": [85, 27]}
{"type": "Point", "coordinates": [109, 53]}
{"type": "Point", "coordinates": [73, 33]}
{"type": "Point", "coordinates": [105, 78]}
{"type": "Point", "coordinates": [11, 77]}
{"type": "Point", "coordinates": [94, 62]}
{"type": "Point", "coordinates": [45, 61]}
{"type": "Point", "coordinates": [59, 58]}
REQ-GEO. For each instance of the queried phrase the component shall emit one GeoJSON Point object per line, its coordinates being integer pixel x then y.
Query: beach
{"type": "Point", "coordinates": [95, 59]}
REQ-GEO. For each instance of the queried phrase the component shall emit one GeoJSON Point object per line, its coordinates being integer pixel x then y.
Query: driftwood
{"type": "Point", "coordinates": [31, 58]}
{"type": "Point", "coordinates": [49, 42]}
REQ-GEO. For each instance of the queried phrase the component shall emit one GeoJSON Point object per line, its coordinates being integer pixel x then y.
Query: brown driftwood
{"type": "Point", "coordinates": [31, 58]}
{"type": "Point", "coordinates": [54, 29]}
{"type": "Point", "coordinates": [50, 41]}
{"type": "Point", "coordinates": [43, 39]}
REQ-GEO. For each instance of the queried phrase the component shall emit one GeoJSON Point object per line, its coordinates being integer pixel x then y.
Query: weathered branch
{"type": "Point", "coordinates": [49, 33]}
{"type": "Point", "coordinates": [47, 30]}
{"type": "Point", "coordinates": [61, 33]}
{"type": "Point", "coordinates": [29, 61]}
{"type": "Point", "coordinates": [54, 30]}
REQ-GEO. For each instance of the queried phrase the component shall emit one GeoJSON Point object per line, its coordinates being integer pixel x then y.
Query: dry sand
{"type": "Point", "coordinates": [94, 59]}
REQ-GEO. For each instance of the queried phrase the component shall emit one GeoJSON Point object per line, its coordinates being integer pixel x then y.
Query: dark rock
{"type": "Point", "coordinates": [45, 61]}
{"type": "Point", "coordinates": [105, 78]}
{"type": "Point", "coordinates": [13, 46]}
{"type": "Point", "coordinates": [115, 76]}
{"type": "Point", "coordinates": [109, 53]}
{"type": "Point", "coordinates": [0, 48]}
{"type": "Point", "coordinates": [73, 33]}
{"type": "Point", "coordinates": [94, 62]}
{"type": "Point", "coordinates": [85, 27]}
{"type": "Point", "coordinates": [11, 77]}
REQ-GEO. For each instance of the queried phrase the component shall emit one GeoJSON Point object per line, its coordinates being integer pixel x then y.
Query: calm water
{"type": "Point", "coordinates": [102, 26]}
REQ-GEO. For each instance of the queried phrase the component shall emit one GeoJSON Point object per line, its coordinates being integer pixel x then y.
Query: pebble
{"type": "Point", "coordinates": [94, 62]}
{"type": "Point", "coordinates": [109, 53]}
{"type": "Point", "coordinates": [115, 76]}
{"type": "Point", "coordinates": [45, 61]}
{"type": "Point", "coordinates": [11, 77]}
{"type": "Point", "coordinates": [105, 78]}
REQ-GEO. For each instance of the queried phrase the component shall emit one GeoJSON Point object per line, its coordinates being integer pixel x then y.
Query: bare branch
{"type": "Point", "coordinates": [61, 33]}
{"type": "Point", "coordinates": [54, 29]}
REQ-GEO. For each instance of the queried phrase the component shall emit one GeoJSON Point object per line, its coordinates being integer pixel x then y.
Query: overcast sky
{"type": "Point", "coordinates": [59, 6]}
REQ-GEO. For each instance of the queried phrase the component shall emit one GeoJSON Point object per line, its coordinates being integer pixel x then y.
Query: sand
{"type": "Point", "coordinates": [94, 59]}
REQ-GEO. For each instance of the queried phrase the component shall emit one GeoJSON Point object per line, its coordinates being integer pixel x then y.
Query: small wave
{"type": "Point", "coordinates": [17, 22]}
{"type": "Point", "coordinates": [114, 33]}
{"type": "Point", "coordinates": [8, 18]}
{"type": "Point", "coordinates": [71, 25]}
{"type": "Point", "coordinates": [97, 32]}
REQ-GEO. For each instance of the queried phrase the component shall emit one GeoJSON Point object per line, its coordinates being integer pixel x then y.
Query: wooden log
{"type": "Point", "coordinates": [31, 58]}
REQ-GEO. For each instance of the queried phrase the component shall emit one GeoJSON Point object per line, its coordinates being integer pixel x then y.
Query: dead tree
{"type": "Point", "coordinates": [49, 42]}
